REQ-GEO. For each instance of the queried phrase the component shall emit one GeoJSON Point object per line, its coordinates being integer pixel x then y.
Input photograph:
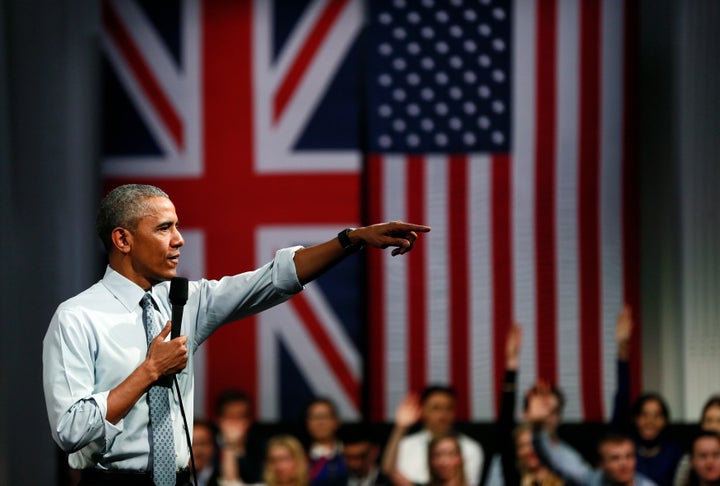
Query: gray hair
{"type": "Point", "coordinates": [124, 207]}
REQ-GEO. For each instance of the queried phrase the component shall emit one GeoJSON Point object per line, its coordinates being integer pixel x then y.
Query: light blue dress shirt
{"type": "Point", "coordinates": [97, 339]}
{"type": "Point", "coordinates": [568, 464]}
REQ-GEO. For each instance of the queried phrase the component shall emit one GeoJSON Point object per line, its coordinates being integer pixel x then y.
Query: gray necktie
{"type": "Point", "coordinates": [162, 440]}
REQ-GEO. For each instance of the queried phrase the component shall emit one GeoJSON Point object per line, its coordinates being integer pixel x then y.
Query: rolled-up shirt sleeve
{"type": "Point", "coordinates": [75, 412]}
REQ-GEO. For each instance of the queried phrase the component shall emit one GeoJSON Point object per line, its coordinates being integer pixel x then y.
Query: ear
{"type": "Point", "coordinates": [122, 240]}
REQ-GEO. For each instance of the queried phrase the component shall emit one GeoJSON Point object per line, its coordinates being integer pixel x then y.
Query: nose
{"type": "Point", "coordinates": [178, 240]}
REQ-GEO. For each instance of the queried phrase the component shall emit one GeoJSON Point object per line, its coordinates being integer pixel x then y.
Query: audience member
{"type": "Point", "coordinates": [617, 464]}
{"type": "Point", "coordinates": [205, 449]}
{"type": "Point", "coordinates": [444, 457]}
{"type": "Point", "coordinates": [285, 463]}
{"type": "Point", "coordinates": [705, 459]}
{"type": "Point", "coordinates": [239, 436]}
{"type": "Point", "coordinates": [709, 421]}
{"type": "Point", "coordinates": [361, 453]}
{"type": "Point", "coordinates": [646, 421]}
{"type": "Point", "coordinates": [327, 465]}
{"type": "Point", "coordinates": [436, 410]}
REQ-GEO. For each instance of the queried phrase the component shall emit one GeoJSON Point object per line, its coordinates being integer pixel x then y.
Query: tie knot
{"type": "Point", "coordinates": [146, 302]}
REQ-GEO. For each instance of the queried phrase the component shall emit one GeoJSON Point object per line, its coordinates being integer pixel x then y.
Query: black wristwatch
{"type": "Point", "coordinates": [345, 242]}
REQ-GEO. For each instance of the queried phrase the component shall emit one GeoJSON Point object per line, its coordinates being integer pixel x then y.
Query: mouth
{"type": "Point", "coordinates": [174, 258]}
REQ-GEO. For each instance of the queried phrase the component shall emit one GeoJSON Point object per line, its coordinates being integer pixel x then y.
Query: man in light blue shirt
{"type": "Point", "coordinates": [97, 365]}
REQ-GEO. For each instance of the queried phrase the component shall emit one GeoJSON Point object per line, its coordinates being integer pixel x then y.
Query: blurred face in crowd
{"type": "Point", "coordinates": [321, 422]}
{"type": "Point", "coordinates": [617, 460]}
{"type": "Point", "coordinates": [705, 459]}
{"type": "Point", "coordinates": [526, 452]}
{"type": "Point", "coordinates": [283, 464]}
{"type": "Point", "coordinates": [651, 421]}
{"type": "Point", "coordinates": [438, 412]}
{"type": "Point", "coordinates": [203, 446]}
{"type": "Point", "coordinates": [360, 458]}
{"type": "Point", "coordinates": [711, 419]}
{"type": "Point", "coordinates": [446, 460]}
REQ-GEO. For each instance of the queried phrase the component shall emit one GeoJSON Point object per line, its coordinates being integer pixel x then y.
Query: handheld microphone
{"type": "Point", "coordinates": [178, 297]}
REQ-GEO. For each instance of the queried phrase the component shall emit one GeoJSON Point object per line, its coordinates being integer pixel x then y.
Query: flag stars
{"type": "Point", "coordinates": [442, 74]}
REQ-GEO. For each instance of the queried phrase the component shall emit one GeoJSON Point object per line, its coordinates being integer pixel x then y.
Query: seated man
{"type": "Point", "coordinates": [437, 413]}
{"type": "Point", "coordinates": [361, 455]}
{"type": "Point", "coordinates": [705, 459]}
{"type": "Point", "coordinates": [617, 464]}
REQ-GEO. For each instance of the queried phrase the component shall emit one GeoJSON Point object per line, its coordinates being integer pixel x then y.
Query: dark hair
{"type": "Point", "coordinates": [325, 401]}
{"type": "Point", "coordinates": [713, 401]}
{"type": "Point", "coordinates": [613, 436]}
{"type": "Point", "coordinates": [123, 207]}
{"type": "Point", "coordinates": [432, 389]}
{"type": "Point", "coordinates": [703, 434]}
{"type": "Point", "coordinates": [640, 402]}
{"type": "Point", "coordinates": [231, 396]}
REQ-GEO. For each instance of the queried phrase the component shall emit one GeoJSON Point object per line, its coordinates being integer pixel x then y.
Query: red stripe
{"type": "Point", "coordinates": [144, 76]}
{"type": "Point", "coordinates": [459, 279]}
{"type": "Point", "coordinates": [307, 53]}
{"type": "Point", "coordinates": [323, 342]}
{"type": "Point", "coordinates": [501, 263]}
{"type": "Point", "coordinates": [545, 151]}
{"type": "Point", "coordinates": [376, 293]}
{"type": "Point", "coordinates": [232, 351]}
{"type": "Point", "coordinates": [589, 210]}
{"type": "Point", "coordinates": [417, 315]}
{"type": "Point", "coordinates": [630, 191]}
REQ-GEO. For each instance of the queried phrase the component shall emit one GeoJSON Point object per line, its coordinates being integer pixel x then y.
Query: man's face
{"type": "Point", "coordinates": [203, 446]}
{"type": "Point", "coordinates": [438, 412]}
{"type": "Point", "coordinates": [154, 246]}
{"type": "Point", "coordinates": [359, 458]}
{"type": "Point", "coordinates": [651, 420]}
{"type": "Point", "coordinates": [618, 461]}
{"type": "Point", "coordinates": [321, 422]}
{"type": "Point", "coordinates": [705, 459]}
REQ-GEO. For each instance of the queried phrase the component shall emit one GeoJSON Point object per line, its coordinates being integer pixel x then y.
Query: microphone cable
{"type": "Point", "coordinates": [187, 430]}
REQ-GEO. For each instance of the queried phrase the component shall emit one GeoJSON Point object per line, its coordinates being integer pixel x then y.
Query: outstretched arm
{"type": "Point", "coordinates": [313, 261]}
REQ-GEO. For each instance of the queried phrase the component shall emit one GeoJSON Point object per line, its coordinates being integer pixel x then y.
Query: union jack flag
{"type": "Point", "coordinates": [273, 123]}
{"type": "Point", "coordinates": [246, 113]}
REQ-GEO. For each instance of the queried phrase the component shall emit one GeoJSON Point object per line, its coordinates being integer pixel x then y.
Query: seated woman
{"type": "Point", "coordinates": [445, 462]}
{"type": "Point", "coordinates": [285, 464]}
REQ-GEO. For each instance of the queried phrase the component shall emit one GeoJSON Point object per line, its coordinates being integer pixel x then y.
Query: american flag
{"type": "Point", "coordinates": [504, 125]}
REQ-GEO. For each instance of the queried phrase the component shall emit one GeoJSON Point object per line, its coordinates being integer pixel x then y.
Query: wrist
{"type": "Point", "coordinates": [350, 239]}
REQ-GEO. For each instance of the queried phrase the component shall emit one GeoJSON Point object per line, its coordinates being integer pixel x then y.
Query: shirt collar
{"type": "Point", "coordinates": [127, 292]}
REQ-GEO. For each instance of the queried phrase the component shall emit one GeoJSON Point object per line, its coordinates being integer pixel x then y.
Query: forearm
{"type": "Point", "coordinates": [390, 456]}
{"type": "Point", "coordinates": [313, 261]}
{"type": "Point", "coordinates": [123, 397]}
